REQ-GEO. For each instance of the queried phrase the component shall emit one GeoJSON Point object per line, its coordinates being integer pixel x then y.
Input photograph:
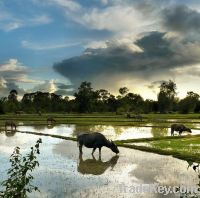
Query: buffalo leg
{"type": "Point", "coordinates": [80, 149]}
{"type": "Point", "coordinates": [99, 151]}
{"type": "Point", "coordinates": [93, 150]}
{"type": "Point", "coordinates": [172, 132]}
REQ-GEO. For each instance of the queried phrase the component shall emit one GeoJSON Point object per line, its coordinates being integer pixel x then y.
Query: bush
{"type": "Point", "coordinates": [19, 177]}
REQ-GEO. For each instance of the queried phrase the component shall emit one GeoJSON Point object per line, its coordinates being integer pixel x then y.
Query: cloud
{"type": "Point", "coordinates": [111, 65]}
{"type": "Point", "coordinates": [6, 87]}
{"type": "Point", "coordinates": [181, 18]}
{"type": "Point", "coordinates": [68, 4]}
{"type": "Point", "coordinates": [13, 73]}
{"type": "Point", "coordinates": [9, 22]}
{"type": "Point", "coordinates": [53, 86]}
{"type": "Point", "coordinates": [53, 46]}
{"type": "Point", "coordinates": [115, 18]}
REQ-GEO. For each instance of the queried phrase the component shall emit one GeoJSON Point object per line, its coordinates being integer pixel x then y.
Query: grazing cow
{"type": "Point", "coordinates": [96, 167]}
{"type": "Point", "coordinates": [138, 117]}
{"type": "Point", "coordinates": [179, 128]}
{"type": "Point", "coordinates": [128, 115]}
{"type": "Point", "coordinates": [50, 120]}
{"type": "Point", "coordinates": [19, 112]}
{"type": "Point", "coordinates": [95, 140]}
{"type": "Point", "coordinates": [11, 124]}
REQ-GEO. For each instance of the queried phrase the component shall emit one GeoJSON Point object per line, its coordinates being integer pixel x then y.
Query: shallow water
{"type": "Point", "coordinates": [62, 173]}
{"type": "Point", "coordinates": [111, 132]}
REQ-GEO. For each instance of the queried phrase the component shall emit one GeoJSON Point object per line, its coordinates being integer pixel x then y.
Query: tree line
{"type": "Point", "coordinates": [88, 100]}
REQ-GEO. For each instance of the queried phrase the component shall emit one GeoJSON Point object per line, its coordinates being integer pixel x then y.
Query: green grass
{"type": "Point", "coordinates": [155, 120]}
{"type": "Point", "coordinates": [185, 147]}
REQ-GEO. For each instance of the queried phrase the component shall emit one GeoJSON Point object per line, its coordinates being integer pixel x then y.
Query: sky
{"type": "Point", "coordinates": [54, 45]}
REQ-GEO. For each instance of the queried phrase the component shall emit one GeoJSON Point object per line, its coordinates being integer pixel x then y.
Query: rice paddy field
{"type": "Point", "coordinates": [148, 154]}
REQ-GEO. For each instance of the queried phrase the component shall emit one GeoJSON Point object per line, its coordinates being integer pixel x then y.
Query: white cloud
{"type": "Point", "coordinates": [115, 18]}
{"type": "Point", "coordinates": [67, 4]}
{"type": "Point", "coordinates": [9, 22]}
{"type": "Point", "coordinates": [39, 20]}
{"type": "Point", "coordinates": [47, 86]}
{"type": "Point", "coordinates": [12, 65]}
{"type": "Point", "coordinates": [42, 46]}
{"type": "Point", "coordinates": [13, 71]}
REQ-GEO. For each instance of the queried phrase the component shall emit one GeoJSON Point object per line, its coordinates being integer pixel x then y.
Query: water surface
{"type": "Point", "coordinates": [111, 132]}
{"type": "Point", "coordinates": [63, 173]}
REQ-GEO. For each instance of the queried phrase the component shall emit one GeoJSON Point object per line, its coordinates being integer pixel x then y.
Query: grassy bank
{"type": "Point", "coordinates": [183, 147]}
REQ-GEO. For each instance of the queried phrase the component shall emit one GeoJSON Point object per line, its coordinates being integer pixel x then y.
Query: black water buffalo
{"type": "Point", "coordinates": [95, 140]}
{"type": "Point", "coordinates": [11, 124]}
{"type": "Point", "coordinates": [179, 128]}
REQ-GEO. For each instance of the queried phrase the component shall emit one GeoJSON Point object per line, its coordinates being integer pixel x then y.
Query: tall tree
{"type": "Point", "coordinates": [85, 98]}
{"type": "Point", "coordinates": [166, 96]}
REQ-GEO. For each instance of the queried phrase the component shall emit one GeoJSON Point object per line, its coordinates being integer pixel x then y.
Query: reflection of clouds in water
{"type": "Point", "coordinates": [57, 175]}
{"type": "Point", "coordinates": [7, 144]}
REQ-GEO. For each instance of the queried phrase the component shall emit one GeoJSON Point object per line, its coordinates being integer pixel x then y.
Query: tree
{"type": "Point", "coordinates": [123, 91]}
{"type": "Point", "coordinates": [166, 96]}
{"type": "Point", "coordinates": [189, 103]}
{"type": "Point", "coordinates": [12, 103]}
{"type": "Point", "coordinates": [85, 98]}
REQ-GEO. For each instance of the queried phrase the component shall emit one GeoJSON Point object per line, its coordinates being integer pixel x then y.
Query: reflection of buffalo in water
{"type": "Point", "coordinates": [179, 128]}
{"type": "Point", "coordinates": [11, 124]}
{"type": "Point", "coordinates": [96, 167]}
{"type": "Point", "coordinates": [10, 133]}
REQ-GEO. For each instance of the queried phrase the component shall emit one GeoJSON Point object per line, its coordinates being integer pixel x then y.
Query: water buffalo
{"type": "Point", "coordinates": [179, 128]}
{"type": "Point", "coordinates": [128, 115]}
{"type": "Point", "coordinates": [11, 124]}
{"type": "Point", "coordinates": [50, 120]}
{"type": "Point", "coordinates": [138, 117]}
{"type": "Point", "coordinates": [95, 140]}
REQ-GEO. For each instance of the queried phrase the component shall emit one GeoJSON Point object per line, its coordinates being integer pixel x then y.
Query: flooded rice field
{"type": "Point", "coordinates": [111, 132]}
{"type": "Point", "coordinates": [63, 173]}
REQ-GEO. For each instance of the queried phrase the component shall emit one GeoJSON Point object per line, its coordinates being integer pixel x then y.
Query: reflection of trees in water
{"type": "Point", "coordinates": [39, 127]}
{"type": "Point", "coordinates": [78, 129]}
{"type": "Point", "coordinates": [96, 167]}
{"type": "Point", "coordinates": [105, 129]}
{"type": "Point", "coordinates": [159, 132]}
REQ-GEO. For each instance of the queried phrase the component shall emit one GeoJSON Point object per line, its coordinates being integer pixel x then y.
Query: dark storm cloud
{"type": "Point", "coordinates": [158, 54]}
{"type": "Point", "coordinates": [181, 18]}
